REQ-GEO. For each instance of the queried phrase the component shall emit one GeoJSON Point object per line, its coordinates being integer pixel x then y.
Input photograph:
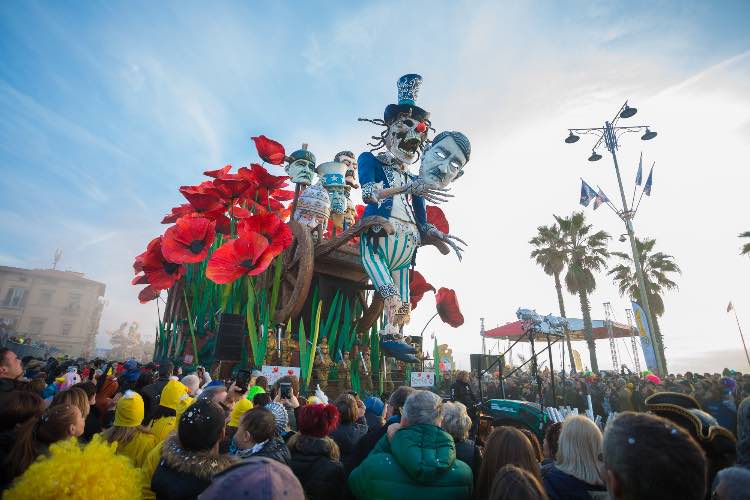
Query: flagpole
{"type": "Point", "coordinates": [635, 186]}
{"type": "Point", "coordinates": [741, 335]}
{"type": "Point", "coordinates": [635, 211]}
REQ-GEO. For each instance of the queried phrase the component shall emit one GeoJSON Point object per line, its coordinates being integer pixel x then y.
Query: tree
{"type": "Point", "coordinates": [746, 247]}
{"type": "Point", "coordinates": [657, 267]}
{"type": "Point", "coordinates": [587, 253]}
{"type": "Point", "coordinates": [549, 252]}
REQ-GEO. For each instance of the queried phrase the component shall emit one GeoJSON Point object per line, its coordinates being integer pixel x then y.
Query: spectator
{"type": "Point", "coordinates": [93, 418]}
{"type": "Point", "coordinates": [315, 456]}
{"type": "Point", "coordinates": [16, 407]}
{"type": "Point", "coordinates": [133, 440]}
{"type": "Point", "coordinates": [374, 412]}
{"type": "Point", "coordinates": [256, 477]}
{"type": "Point", "coordinates": [348, 431]}
{"type": "Point", "coordinates": [74, 396]}
{"type": "Point", "coordinates": [10, 370]}
{"type": "Point", "coordinates": [506, 445]}
{"type": "Point", "coordinates": [551, 440]}
{"type": "Point", "coordinates": [71, 471]}
{"type": "Point", "coordinates": [416, 459]}
{"type": "Point", "coordinates": [257, 436]}
{"type": "Point", "coordinates": [743, 433]}
{"type": "Point", "coordinates": [128, 379]}
{"type": "Point", "coordinates": [217, 392]}
{"type": "Point", "coordinates": [632, 443]}
{"type": "Point", "coordinates": [165, 417]}
{"type": "Point", "coordinates": [732, 483]}
{"type": "Point", "coordinates": [514, 483]}
{"type": "Point", "coordinates": [152, 393]}
{"type": "Point", "coordinates": [535, 445]}
{"type": "Point", "coordinates": [261, 399]}
{"type": "Point", "coordinates": [281, 417]}
{"type": "Point", "coordinates": [192, 382]}
{"type": "Point", "coordinates": [34, 437]}
{"type": "Point", "coordinates": [461, 392]}
{"type": "Point", "coordinates": [393, 415]}
{"type": "Point", "coordinates": [457, 423]}
{"type": "Point", "coordinates": [190, 458]}
{"type": "Point", "coordinates": [260, 386]}
{"type": "Point", "coordinates": [290, 403]}
{"type": "Point", "coordinates": [204, 378]}
{"type": "Point", "coordinates": [240, 408]}
{"type": "Point", "coordinates": [576, 472]}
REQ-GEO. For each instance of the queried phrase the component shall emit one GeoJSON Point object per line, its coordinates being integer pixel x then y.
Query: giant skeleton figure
{"type": "Point", "coordinates": [392, 192]}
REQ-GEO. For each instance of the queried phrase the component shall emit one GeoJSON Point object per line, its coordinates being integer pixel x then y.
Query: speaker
{"type": "Point", "coordinates": [230, 338]}
{"type": "Point", "coordinates": [484, 362]}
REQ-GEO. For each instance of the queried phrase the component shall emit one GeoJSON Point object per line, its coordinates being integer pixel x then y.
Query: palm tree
{"type": "Point", "coordinates": [657, 266]}
{"type": "Point", "coordinates": [549, 252]}
{"type": "Point", "coordinates": [587, 253]}
{"type": "Point", "coordinates": [746, 246]}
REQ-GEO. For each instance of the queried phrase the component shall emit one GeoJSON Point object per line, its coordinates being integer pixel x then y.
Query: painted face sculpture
{"type": "Point", "coordinates": [332, 176]}
{"type": "Point", "coordinates": [405, 137]}
{"type": "Point", "coordinates": [350, 214]}
{"type": "Point", "coordinates": [348, 159]}
{"type": "Point", "coordinates": [301, 166]}
{"type": "Point", "coordinates": [313, 207]}
{"type": "Point", "coordinates": [444, 160]}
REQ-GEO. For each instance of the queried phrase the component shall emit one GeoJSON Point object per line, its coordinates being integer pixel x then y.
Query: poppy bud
{"type": "Point", "coordinates": [421, 127]}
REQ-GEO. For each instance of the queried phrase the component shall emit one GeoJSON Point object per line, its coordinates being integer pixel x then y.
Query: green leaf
{"type": "Point", "coordinates": [302, 351]}
{"type": "Point", "coordinates": [311, 354]}
{"type": "Point", "coordinates": [276, 283]}
{"type": "Point", "coordinates": [250, 319]}
{"type": "Point", "coordinates": [192, 328]}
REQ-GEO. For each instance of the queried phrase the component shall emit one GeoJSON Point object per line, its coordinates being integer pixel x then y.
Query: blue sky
{"type": "Point", "coordinates": [107, 107]}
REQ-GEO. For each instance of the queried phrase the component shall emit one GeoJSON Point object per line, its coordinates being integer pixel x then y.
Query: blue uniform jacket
{"type": "Point", "coordinates": [372, 172]}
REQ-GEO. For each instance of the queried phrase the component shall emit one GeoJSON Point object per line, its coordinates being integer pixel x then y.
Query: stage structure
{"type": "Point", "coordinates": [306, 279]}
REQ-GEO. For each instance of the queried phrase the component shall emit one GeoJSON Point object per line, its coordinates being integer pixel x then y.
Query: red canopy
{"type": "Point", "coordinates": [515, 329]}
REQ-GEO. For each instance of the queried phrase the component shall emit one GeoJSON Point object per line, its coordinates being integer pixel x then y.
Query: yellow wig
{"type": "Point", "coordinates": [80, 473]}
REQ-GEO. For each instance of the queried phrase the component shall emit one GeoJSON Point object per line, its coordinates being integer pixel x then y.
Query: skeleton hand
{"type": "Point", "coordinates": [419, 187]}
{"type": "Point", "coordinates": [448, 239]}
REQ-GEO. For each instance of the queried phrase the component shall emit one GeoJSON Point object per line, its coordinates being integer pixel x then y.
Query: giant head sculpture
{"type": "Point", "coordinates": [301, 166]}
{"type": "Point", "coordinates": [313, 207]}
{"type": "Point", "coordinates": [444, 159]}
{"type": "Point", "coordinates": [348, 159]}
{"type": "Point", "coordinates": [333, 177]}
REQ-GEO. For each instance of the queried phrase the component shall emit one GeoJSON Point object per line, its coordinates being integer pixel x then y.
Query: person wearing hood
{"type": "Point", "coordinates": [165, 416]}
{"type": "Point", "coordinates": [416, 459]}
{"type": "Point", "coordinates": [133, 440]}
{"type": "Point", "coordinates": [190, 458]}
{"type": "Point", "coordinates": [128, 379]}
{"type": "Point", "coordinates": [315, 456]}
{"type": "Point", "coordinates": [257, 436]}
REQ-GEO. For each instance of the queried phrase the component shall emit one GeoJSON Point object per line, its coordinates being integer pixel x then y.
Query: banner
{"type": "Point", "coordinates": [645, 335]}
{"type": "Point", "coordinates": [422, 379]}
{"type": "Point", "coordinates": [274, 373]}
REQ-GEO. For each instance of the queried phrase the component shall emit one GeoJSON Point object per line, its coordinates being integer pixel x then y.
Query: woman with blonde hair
{"type": "Point", "coordinates": [74, 396]}
{"type": "Point", "coordinates": [576, 472]}
{"type": "Point", "coordinates": [457, 423]}
{"type": "Point", "coordinates": [133, 440]}
{"type": "Point", "coordinates": [505, 446]}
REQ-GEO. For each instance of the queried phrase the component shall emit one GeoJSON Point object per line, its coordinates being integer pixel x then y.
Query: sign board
{"type": "Point", "coordinates": [188, 359]}
{"type": "Point", "coordinates": [274, 373]}
{"type": "Point", "coordinates": [422, 379]}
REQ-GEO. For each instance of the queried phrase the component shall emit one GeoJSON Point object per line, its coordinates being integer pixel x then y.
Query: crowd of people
{"type": "Point", "coordinates": [125, 430]}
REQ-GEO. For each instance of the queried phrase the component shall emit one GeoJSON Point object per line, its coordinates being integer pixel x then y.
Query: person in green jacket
{"type": "Point", "coordinates": [416, 459]}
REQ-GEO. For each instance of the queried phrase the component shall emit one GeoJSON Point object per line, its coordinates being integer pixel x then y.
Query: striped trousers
{"type": "Point", "coordinates": [387, 262]}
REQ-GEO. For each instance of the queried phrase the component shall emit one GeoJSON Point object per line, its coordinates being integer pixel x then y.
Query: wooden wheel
{"type": "Point", "coordinates": [296, 274]}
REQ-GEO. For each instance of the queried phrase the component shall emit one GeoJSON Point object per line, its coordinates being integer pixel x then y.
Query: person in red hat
{"type": "Point", "coordinates": [315, 456]}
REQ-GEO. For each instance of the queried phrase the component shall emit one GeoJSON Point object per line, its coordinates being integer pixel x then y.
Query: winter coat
{"type": "Point", "coordinates": [316, 465]}
{"type": "Point", "coordinates": [147, 471]}
{"type": "Point", "coordinates": [346, 436]}
{"type": "Point", "coordinates": [366, 444]}
{"type": "Point", "coordinates": [461, 392]}
{"type": "Point", "coordinates": [274, 448]}
{"type": "Point", "coordinates": [151, 397]}
{"type": "Point", "coordinates": [562, 486]}
{"type": "Point", "coordinates": [419, 462]}
{"type": "Point", "coordinates": [138, 448]}
{"type": "Point", "coordinates": [183, 474]}
{"type": "Point", "coordinates": [468, 453]}
{"type": "Point", "coordinates": [93, 424]}
{"type": "Point", "coordinates": [161, 427]}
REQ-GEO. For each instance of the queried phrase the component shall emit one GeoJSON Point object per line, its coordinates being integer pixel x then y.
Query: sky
{"type": "Point", "coordinates": [106, 108]}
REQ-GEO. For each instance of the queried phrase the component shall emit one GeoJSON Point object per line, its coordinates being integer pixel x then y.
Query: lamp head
{"type": "Point", "coordinates": [622, 238]}
{"type": "Point", "coordinates": [648, 135]}
{"type": "Point", "coordinates": [571, 138]}
{"type": "Point", "coordinates": [627, 112]}
{"type": "Point", "coordinates": [595, 156]}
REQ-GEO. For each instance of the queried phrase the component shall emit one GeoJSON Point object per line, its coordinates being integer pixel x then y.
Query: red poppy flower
{"type": "Point", "coordinates": [148, 294]}
{"type": "Point", "coordinates": [436, 217]}
{"type": "Point", "coordinates": [177, 212]}
{"type": "Point", "coordinates": [418, 286]}
{"type": "Point", "coordinates": [157, 270]}
{"type": "Point", "coordinates": [263, 178]}
{"type": "Point", "coordinates": [269, 150]}
{"type": "Point", "coordinates": [447, 307]}
{"type": "Point", "coordinates": [282, 195]}
{"type": "Point", "coordinates": [239, 257]}
{"type": "Point", "coordinates": [204, 197]}
{"type": "Point", "coordinates": [270, 226]}
{"type": "Point", "coordinates": [219, 173]}
{"type": "Point", "coordinates": [189, 240]}
{"type": "Point", "coordinates": [360, 211]}
{"type": "Point", "coordinates": [232, 186]}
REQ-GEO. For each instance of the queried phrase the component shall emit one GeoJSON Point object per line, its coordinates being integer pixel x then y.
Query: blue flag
{"type": "Point", "coordinates": [649, 181]}
{"type": "Point", "coordinates": [644, 332]}
{"type": "Point", "coordinates": [600, 198]}
{"type": "Point", "coordinates": [587, 194]}
{"type": "Point", "coordinates": [639, 175]}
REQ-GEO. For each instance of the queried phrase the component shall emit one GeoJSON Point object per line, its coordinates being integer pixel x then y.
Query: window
{"type": "Point", "coordinates": [67, 327]}
{"type": "Point", "coordinates": [74, 303]}
{"type": "Point", "coordinates": [9, 322]}
{"type": "Point", "coordinates": [15, 297]}
{"type": "Point", "coordinates": [36, 326]}
{"type": "Point", "coordinates": [45, 297]}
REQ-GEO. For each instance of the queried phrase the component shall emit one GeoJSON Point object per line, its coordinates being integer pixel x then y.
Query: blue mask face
{"type": "Point", "coordinates": [338, 200]}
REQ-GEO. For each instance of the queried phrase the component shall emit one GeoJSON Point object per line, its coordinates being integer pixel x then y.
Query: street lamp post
{"type": "Point", "coordinates": [609, 135]}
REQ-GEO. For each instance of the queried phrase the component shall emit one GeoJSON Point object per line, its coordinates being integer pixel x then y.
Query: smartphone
{"type": "Point", "coordinates": [285, 389]}
{"type": "Point", "coordinates": [243, 379]}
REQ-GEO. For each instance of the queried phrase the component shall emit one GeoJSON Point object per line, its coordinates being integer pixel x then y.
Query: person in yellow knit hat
{"type": "Point", "coordinates": [165, 416]}
{"type": "Point", "coordinates": [133, 440]}
{"type": "Point", "coordinates": [241, 407]}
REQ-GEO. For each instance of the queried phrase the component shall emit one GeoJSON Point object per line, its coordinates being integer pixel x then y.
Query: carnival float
{"type": "Point", "coordinates": [324, 287]}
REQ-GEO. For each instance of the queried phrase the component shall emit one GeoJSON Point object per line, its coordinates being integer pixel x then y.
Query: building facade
{"type": "Point", "coordinates": [60, 308]}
